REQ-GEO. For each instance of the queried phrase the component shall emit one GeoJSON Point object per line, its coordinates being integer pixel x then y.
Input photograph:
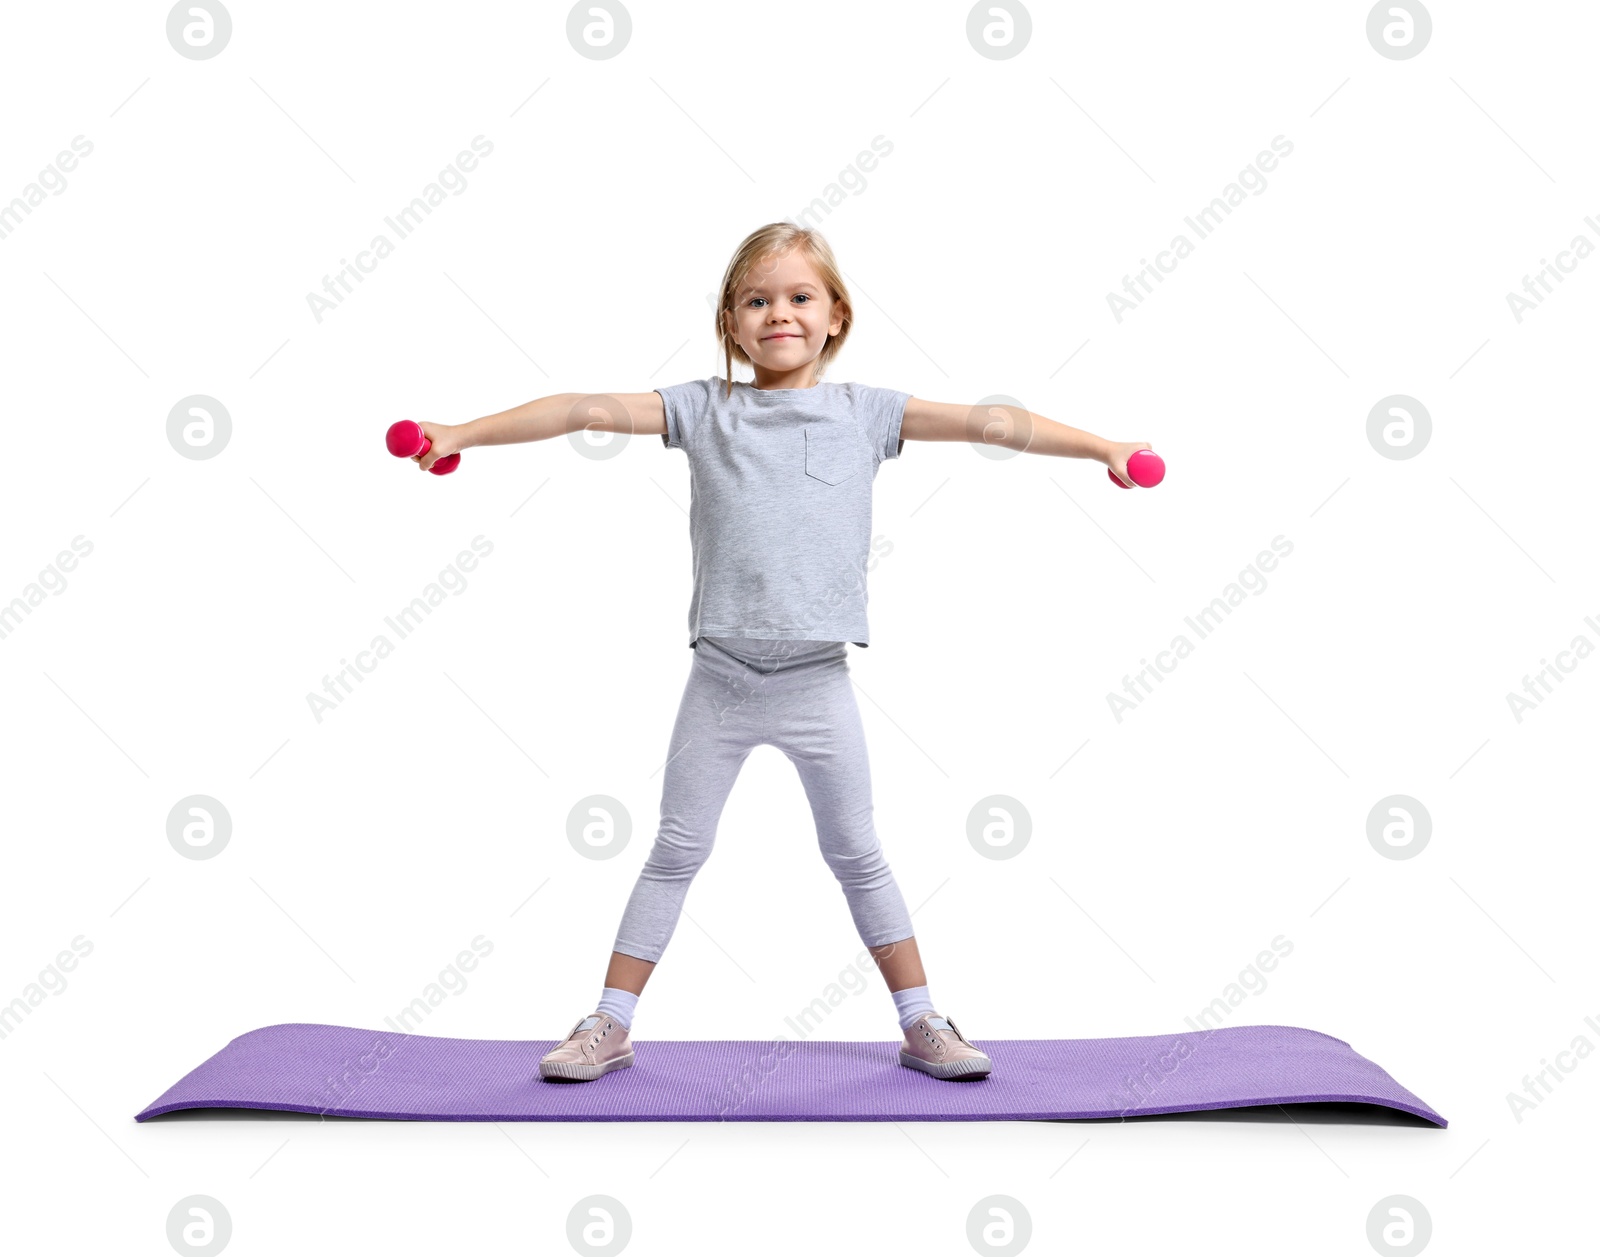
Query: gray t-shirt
{"type": "Point", "coordinates": [780, 513]}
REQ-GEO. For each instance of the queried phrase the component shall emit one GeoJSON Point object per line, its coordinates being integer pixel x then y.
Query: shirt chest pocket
{"type": "Point", "coordinates": [833, 454]}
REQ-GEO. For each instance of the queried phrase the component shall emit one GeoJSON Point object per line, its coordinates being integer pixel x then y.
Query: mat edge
{"type": "Point", "coordinates": [1424, 1113]}
{"type": "Point", "coordinates": [443, 1038]}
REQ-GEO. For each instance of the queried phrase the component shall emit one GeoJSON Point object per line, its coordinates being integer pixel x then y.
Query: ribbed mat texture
{"type": "Point", "coordinates": [343, 1071]}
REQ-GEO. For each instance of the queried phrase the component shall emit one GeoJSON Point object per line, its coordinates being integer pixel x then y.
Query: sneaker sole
{"type": "Point", "coordinates": [584, 1073]}
{"type": "Point", "coordinates": [973, 1067]}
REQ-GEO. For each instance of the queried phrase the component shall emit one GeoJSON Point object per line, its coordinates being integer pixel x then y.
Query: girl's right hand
{"type": "Point", "coordinates": [1117, 455]}
{"type": "Point", "coordinates": [443, 439]}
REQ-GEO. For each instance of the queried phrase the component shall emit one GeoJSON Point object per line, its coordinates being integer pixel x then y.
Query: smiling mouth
{"type": "Point", "coordinates": [783, 336]}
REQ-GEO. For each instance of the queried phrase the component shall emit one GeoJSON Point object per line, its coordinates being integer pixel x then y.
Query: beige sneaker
{"type": "Point", "coordinates": [935, 1046]}
{"type": "Point", "coordinates": [596, 1045]}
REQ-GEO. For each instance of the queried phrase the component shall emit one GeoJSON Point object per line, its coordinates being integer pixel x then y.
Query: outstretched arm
{"type": "Point", "coordinates": [1014, 428]}
{"type": "Point", "coordinates": [641, 414]}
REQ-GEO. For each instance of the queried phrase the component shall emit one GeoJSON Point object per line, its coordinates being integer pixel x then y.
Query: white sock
{"type": "Point", "coordinates": [615, 1002]}
{"type": "Point", "coordinates": [911, 1003]}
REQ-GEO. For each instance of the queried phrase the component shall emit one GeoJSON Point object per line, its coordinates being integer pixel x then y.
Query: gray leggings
{"type": "Point", "coordinates": [742, 693]}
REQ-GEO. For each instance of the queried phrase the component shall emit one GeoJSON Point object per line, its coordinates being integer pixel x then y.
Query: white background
{"type": "Point", "coordinates": [370, 848]}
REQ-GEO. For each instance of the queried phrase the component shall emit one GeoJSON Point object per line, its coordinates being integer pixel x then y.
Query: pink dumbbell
{"type": "Point", "coordinates": [1145, 469]}
{"type": "Point", "coordinates": [407, 440]}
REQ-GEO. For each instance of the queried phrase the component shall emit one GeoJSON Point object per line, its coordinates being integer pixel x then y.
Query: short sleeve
{"type": "Point", "coordinates": [879, 412]}
{"type": "Point", "coordinates": [684, 404]}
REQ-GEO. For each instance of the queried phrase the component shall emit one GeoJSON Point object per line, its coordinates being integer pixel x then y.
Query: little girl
{"type": "Point", "coordinates": [780, 519]}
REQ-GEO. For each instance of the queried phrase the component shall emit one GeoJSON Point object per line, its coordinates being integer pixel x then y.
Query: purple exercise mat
{"type": "Point", "coordinates": [344, 1071]}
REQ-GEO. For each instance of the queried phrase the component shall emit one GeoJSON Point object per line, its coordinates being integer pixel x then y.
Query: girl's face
{"type": "Point", "coordinates": [783, 314]}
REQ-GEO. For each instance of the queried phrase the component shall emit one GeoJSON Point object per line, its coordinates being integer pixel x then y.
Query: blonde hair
{"type": "Point", "coordinates": [778, 238]}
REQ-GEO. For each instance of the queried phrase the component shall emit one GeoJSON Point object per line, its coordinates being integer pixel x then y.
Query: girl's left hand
{"type": "Point", "coordinates": [1117, 455]}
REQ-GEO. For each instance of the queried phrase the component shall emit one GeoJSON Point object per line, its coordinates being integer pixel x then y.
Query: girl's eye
{"type": "Point", "coordinates": [799, 296]}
